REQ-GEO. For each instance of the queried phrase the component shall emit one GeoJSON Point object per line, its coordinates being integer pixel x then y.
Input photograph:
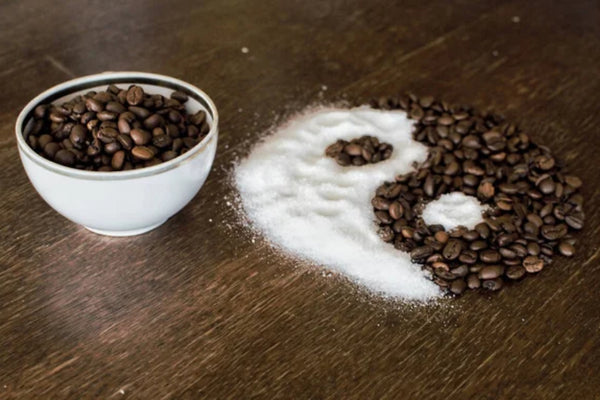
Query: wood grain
{"type": "Point", "coordinates": [197, 308]}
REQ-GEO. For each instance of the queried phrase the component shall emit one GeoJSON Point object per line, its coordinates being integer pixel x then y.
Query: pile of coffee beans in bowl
{"type": "Point", "coordinates": [116, 129]}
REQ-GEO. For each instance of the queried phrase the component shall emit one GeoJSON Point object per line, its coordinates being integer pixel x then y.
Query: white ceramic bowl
{"type": "Point", "coordinates": [121, 203]}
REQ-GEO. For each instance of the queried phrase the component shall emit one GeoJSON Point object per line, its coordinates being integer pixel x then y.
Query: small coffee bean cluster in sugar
{"type": "Point", "coordinates": [117, 129]}
{"type": "Point", "coordinates": [534, 205]}
{"type": "Point", "coordinates": [359, 151]}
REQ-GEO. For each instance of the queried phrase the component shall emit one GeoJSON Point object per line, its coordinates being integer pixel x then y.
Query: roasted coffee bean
{"type": "Point", "coordinates": [125, 141]}
{"type": "Point", "coordinates": [93, 105]}
{"type": "Point", "coordinates": [473, 281]}
{"type": "Point", "coordinates": [135, 95]}
{"type": "Point", "coordinates": [468, 257]}
{"type": "Point", "coordinates": [140, 112]}
{"type": "Point", "coordinates": [169, 155]}
{"type": "Point", "coordinates": [50, 149]}
{"type": "Point", "coordinates": [189, 142]}
{"type": "Point", "coordinates": [421, 253]}
{"type": "Point", "coordinates": [118, 160]}
{"type": "Point", "coordinates": [198, 118]}
{"type": "Point", "coordinates": [575, 220]}
{"type": "Point", "coordinates": [458, 286]}
{"type": "Point", "coordinates": [491, 272]}
{"type": "Point", "coordinates": [179, 96]}
{"type": "Point", "coordinates": [107, 135]}
{"type": "Point", "coordinates": [142, 152]}
{"type": "Point", "coordinates": [106, 115]}
{"type": "Point", "coordinates": [153, 121]}
{"type": "Point", "coordinates": [493, 284]}
{"type": "Point", "coordinates": [489, 256]}
{"type": "Point", "coordinates": [78, 136]}
{"type": "Point", "coordinates": [533, 264]}
{"type": "Point", "coordinates": [566, 249]}
{"type": "Point", "coordinates": [396, 210]}
{"type": "Point", "coordinates": [386, 234]}
{"type": "Point", "coordinates": [112, 147]}
{"type": "Point", "coordinates": [444, 274]}
{"type": "Point", "coordinates": [441, 237]}
{"type": "Point", "coordinates": [123, 126]}
{"type": "Point", "coordinates": [554, 232]}
{"type": "Point", "coordinates": [65, 157]}
{"type": "Point", "coordinates": [140, 137]}
{"type": "Point", "coordinates": [515, 272]}
{"type": "Point", "coordinates": [452, 249]}
{"type": "Point", "coordinates": [162, 141]}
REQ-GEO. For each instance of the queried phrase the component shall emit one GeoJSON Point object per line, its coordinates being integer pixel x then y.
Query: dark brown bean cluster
{"type": "Point", "coordinates": [534, 206]}
{"type": "Point", "coordinates": [359, 151]}
{"type": "Point", "coordinates": [117, 129]}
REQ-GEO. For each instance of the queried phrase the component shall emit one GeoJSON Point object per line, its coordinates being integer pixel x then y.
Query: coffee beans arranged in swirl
{"type": "Point", "coordinates": [534, 205]}
{"type": "Point", "coordinates": [117, 129]}
{"type": "Point", "coordinates": [360, 151]}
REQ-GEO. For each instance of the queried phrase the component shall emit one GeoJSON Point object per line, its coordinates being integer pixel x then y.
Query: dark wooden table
{"type": "Point", "coordinates": [196, 309]}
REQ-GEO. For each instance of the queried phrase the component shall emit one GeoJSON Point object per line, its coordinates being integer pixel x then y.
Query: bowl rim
{"type": "Point", "coordinates": [121, 77]}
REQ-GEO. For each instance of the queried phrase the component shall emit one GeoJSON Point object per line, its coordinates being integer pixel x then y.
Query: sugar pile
{"type": "Point", "coordinates": [453, 209]}
{"type": "Point", "coordinates": [308, 205]}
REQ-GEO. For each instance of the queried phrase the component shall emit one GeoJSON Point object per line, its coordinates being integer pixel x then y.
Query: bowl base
{"type": "Point", "coordinates": [132, 232]}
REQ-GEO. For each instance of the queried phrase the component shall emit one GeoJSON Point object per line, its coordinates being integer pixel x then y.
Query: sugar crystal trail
{"type": "Point", "coordinates": [306, 204]}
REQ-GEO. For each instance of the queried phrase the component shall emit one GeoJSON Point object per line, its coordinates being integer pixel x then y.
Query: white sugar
{"type": "Point", "coordinates": [308, 205]}
{"type": "Point", "coordinates": [454, 209]}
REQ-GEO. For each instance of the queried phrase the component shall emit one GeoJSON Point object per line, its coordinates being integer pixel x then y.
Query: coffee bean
{"type": "Point", "coordinates": [566, 249]}
{"type": "Point", "coordinates": [93, 105]}
{"type": "Point", "coordinates": [396, 210]}
{"type": "Point", "coordinates": [421, 253]}
{"type": "Point", "coordinates": [106, 115]}
{"type": "Point", "coordinates": [50, 149]}
{"type": "Point", "coordinates": [125, 141]}
{"type": "Point", "coordinates": [118, 160]}
{"type": "Point", "coordinates": [486, 190]}
{"type": "Point", "coordinates": [493, 284]}
{"type": "Point", "coordinates": [554, 232]}
{"type": "Point", "coordinates": [65, 157]}
{"type": "Point", "coordinates": [573, 181]}
{"type": "Point", "coordinates": [142, 152]}
{"type": "Point", "coordinates": [140, 112]}
{"type": "Point", "coordinates": [179, 96]}
{"type": "Point", "coordinates": [162, 141]}
{"type": "Point", "coordinates": [515, 272]}
{"type": "Point", "coordinates": [452, 249]}
{"type": "Point", "coordinates": [441, 237]}
{"type": "Point", "coordinates": [140, 137]}
{"type": "Point", "coordinates": [78, 136]}
{"type": "Point", "coordinates": [153, 121]}
{"type": "Point", "coordinates": [547, 186]}
{"type": "Point", "coordinates": [575, 220]}
{"type": "Point", "coordinates": [107, 135]}
{"type": "Point", "coordinates": [135, 95]}
{"type": "Point", "coordinates": [198, 118]}
{"type": "Point", "coordinates": [533, 264]}
{"type": "Point", "coordinates": [189, 142]}
{"type": "Point", "coordinates": [473, 281]}
{"type": "Point", "coordinates": [489, 256]}
{"type": "Point", "coordinates": [169, 155]}
{"type": "Point", "coordinates": [491, 272]}
{"type": "Point", "coordinates": [380, 203]}
{"type": "Point", "coordinates": [458, 286]}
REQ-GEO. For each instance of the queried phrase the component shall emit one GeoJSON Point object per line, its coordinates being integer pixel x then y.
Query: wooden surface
{"type": "Point", "coordinates": [196, 309]}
